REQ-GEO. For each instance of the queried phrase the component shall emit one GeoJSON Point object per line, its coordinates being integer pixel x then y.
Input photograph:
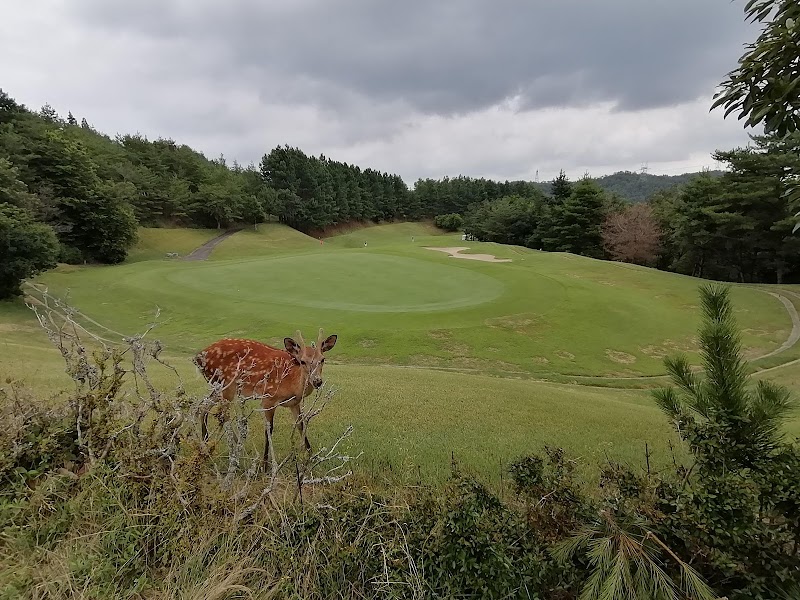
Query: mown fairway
{"type": "Point", "coordinates": [435, 354]}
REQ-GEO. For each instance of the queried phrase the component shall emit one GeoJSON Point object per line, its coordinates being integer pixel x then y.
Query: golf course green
{"type": "Point", "coordinates": [436, 354]}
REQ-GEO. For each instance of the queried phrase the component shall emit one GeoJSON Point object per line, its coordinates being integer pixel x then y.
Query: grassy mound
{"type": "Point", "coordinates": [156, 243]}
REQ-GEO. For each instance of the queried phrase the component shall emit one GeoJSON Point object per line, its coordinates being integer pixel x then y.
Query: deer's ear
{"type": "Point", "coordinates": [292, 347]}
{"type": "Point", "coordinates": [329, 343]}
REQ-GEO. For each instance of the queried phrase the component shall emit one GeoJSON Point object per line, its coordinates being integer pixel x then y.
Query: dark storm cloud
{"type": "Point", "coordinates": [446, 56]}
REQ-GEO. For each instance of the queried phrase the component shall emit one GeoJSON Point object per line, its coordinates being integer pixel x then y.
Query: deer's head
{"type": "Point", "coordinates": [310, 358]}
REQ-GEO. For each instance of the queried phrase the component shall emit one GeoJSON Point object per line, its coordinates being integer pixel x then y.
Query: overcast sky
{"type": "Point", "coordinates": [493, 88]}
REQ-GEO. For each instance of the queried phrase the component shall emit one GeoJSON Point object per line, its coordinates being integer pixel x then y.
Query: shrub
{"type": "Point", "coordinates": [449, 222]}
{"type": "Point", "coordinates": [27, 247]}
{"type": "Point", "coordinates": [70, 255]}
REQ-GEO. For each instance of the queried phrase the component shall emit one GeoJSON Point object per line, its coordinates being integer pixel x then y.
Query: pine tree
{"type": "Point", "coordinates": [561, 188]}
{"type": "Point", "coordinates": [574, 225]}
{"type": "Point", "coordinates": [49, 114]}
{"type": "Point", "coordinates": [754, 192]}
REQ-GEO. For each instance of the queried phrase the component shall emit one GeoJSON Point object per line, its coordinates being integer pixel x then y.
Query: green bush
{"type": "Point", "coordinates": [70, 255]}
{"type": "Point", "coordinates": [26, 247]}
{"type": "Point", "coordinates": [449, 222]}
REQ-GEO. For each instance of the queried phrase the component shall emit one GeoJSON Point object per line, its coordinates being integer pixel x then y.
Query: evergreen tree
{"type": "Point", "coordinates": [755, 190]}
{"type": "Point", "coordinates": [561, 188]}
{"type": "Point", "coordinates": [693, 227]}
{"type": "Point", "coordinates": [575, 224]}
{"type": "Point", "coordinates": [49, 114]}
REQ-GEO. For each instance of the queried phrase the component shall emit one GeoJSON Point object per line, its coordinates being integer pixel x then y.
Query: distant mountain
{"type": "Point", "coordinates": [637, 187]}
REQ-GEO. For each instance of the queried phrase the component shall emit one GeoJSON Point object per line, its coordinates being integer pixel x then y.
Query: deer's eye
{"type": "Point", "coordinates": [303, 362]}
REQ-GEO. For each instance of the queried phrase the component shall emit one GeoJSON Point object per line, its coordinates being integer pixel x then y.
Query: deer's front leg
{"type": "Point", "coordinates": [300, 422]}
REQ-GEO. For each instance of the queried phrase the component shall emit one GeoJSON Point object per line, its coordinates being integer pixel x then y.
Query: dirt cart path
{"type": "Point", "coordinates": [204, 251]}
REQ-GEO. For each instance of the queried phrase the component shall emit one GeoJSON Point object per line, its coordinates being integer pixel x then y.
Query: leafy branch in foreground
{"type": "Point", "coordinates": [626, 563]}
{"type": "Point", "coordinates": [765, 88]}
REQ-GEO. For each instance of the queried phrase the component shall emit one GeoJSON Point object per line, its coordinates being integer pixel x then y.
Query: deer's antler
{"type": "Point", "coordinates": [300, 339]}
{"type": "Point", "coordinates": [320, 338]}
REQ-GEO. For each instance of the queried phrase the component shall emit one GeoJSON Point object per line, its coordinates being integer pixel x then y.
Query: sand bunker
{"type": "Point", "coordinates": [455, 253]}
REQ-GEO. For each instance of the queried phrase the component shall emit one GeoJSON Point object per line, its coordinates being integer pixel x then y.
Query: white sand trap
{"type": "Point", "coordinates": [455, 253]}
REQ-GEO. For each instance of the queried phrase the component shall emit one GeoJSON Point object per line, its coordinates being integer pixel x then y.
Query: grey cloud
{"type": "Point", "coordinates": [415, 88]}
{"type": "Point", "coordinates": [449, 56]}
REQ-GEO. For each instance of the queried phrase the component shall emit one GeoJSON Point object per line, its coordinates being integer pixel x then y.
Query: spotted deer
{"type": "Point", "coordinates": [276, 377]}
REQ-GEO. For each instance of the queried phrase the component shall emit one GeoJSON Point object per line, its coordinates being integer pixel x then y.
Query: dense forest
{"type": "Point", "coordinates": [72, 194]}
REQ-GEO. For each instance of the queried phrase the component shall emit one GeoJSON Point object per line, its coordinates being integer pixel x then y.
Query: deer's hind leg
{"type": "Point", "coordinates": [269, 416]}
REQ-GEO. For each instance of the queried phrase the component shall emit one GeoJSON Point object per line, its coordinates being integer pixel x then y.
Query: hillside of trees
{"type": "Point", "coordinates": [70, 193]}
{"type": "Point", "coordinates": [636, 187]}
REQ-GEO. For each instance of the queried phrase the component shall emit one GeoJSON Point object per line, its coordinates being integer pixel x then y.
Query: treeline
{"type": "Point", "coordinates": [312, 193]}
{"type": "Point", "coordinates": [568, 220]}
{"type": "Point", "coordinates": [457, 194]}
{"type": "Point", "coordinates": [736, 226]}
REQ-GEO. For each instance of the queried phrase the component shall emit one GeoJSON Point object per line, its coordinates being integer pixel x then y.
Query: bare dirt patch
{"type": "Point", "coordinates": [367, 343]}
{"type": "Point", "coordinates": [540, 360]}
{"type": "Point", "coordinates": [440, 334]}
{"type": "Point", "coordinates": [458, 349]}
{"type": "Point", "coordinates": [668, 347]}
{"type": "Point", "coordinates": [565, 355]}
{"type": "Point", "coordinates": [763, 332]}
{"type": "Point", "coordinates": [622, 358]}
{"type": "Point", "coordinates": [456, 253]}
{"type": "Point", "coordinates": [521, 322]}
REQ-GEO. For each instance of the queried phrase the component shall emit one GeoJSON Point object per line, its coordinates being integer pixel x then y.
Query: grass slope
{"type": "Point", "coordinates": [268, 239]}
{"type": "Point", "coordinates": [396, 302]}
{"type": "Point", "coordinates": [156, 243]}
{"type": "Point", "coordinates": [453, 323]}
